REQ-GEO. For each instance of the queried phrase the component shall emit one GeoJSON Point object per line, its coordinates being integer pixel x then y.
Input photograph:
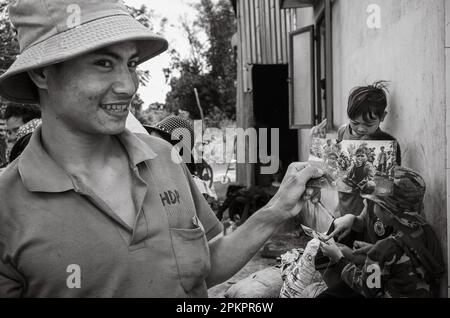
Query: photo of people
{"type": "Point", "coordinates": [354, 166]}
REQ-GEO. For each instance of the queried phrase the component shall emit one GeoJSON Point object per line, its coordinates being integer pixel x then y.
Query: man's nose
{"type": "Point", "coordinates": [126, 83]}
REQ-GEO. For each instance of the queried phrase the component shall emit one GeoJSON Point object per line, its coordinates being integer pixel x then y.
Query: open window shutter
{"type": "Point", "coordinates": [302, 78]}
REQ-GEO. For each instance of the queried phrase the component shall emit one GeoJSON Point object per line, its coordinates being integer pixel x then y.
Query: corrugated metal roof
{"type": "Point", "coordinates": [285, 4]}
{"type": "Point", "coordinates": [264, 28]}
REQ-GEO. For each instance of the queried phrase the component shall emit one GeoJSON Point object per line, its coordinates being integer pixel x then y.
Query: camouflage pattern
{"type": "Point", "coordinates": [408, 263]}
{"type": "Point", "coordinates": [407, 197]}
{"type": "Point", "coordinates": [391, 270]}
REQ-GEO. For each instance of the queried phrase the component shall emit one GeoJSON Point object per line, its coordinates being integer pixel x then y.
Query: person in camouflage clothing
{"type": "Point", "coordinates": [402, 257]}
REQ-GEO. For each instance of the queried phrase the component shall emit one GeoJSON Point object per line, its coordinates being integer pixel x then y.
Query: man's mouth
{"type": "Point", "coordinates": [116, 108]}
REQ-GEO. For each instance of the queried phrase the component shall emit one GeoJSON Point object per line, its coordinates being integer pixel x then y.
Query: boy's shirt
{"type": "Point", "coordinates": [400, 272]}
{"type": "Point", "coordinates": [388, 272]}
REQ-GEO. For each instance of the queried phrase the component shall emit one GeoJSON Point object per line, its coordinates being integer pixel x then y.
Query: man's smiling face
{"type": "Point", "coordinates": [91, 94]}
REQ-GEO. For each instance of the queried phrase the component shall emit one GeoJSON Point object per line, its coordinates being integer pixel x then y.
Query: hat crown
{"type": "Point", "coordinates": [38, 20]}
{"type": "Point", "coordinates": [409, 185]}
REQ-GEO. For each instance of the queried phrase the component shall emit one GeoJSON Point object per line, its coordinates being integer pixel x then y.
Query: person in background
{"type": "Point", "coordinates": [382, 161]}
{"type": "Point", "coordinates": [164, 129]}
{"type": "Point", "coordinates": [17, 115]}
{"type": "Point", "coordinates": [3, 145]}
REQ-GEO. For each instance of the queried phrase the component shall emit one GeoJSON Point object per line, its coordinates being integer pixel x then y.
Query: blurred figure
{"type": "Point", "coordinates": [3, 160]}
{"type": "Point", "coordinates": [164, 129]}
{"type": "Point", "coordinates": [17, 115]}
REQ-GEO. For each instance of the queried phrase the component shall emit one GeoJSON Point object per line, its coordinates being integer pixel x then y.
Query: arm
{"type": "Point", "coordinates": [230, 253]}
{"type": "Point", "coordinates": [346, 223]}
{"type": "Point", "coordinates": [359, 221]}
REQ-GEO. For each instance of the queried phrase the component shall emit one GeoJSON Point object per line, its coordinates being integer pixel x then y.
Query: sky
{"type": "Point", "coordinates": [173, 10]}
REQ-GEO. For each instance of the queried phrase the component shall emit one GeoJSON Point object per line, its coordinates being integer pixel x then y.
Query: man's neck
{"type": "Point", "coordinates": [78, 154]}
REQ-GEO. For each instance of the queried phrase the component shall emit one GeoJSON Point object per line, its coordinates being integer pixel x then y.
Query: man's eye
{"type": "Point", "coordinates": [132, 64]}
{"type": "Point", "coordinates": [104, 63]}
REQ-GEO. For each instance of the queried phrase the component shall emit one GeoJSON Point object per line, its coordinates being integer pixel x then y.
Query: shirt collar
{"type": "Point", "coordinates": [40, 173]}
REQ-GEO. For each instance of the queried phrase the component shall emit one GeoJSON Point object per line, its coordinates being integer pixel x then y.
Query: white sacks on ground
{"type": "Point", "coordinates": [263, 284]}
{"type": "Point", "coordinates": [301, 279]}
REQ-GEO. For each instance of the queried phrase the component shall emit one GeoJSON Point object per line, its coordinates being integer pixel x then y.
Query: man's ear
{"type": "Point", "coordinates": [39, 77]}
{"type": "Point", "coordinates": [383, 116]}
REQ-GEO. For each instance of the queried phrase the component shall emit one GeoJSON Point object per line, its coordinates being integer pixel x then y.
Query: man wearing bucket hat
{"type": "Point", "coordinates": [176, 127]}
{"type": "Point", "coordinates": [402, 254]}
{"type": "Point", "coordinates": [90, 209]}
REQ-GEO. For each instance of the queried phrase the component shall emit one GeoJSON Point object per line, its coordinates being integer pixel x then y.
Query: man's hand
{"type": "Point", "coordinates": [288, 200]}
{"type": "Point", "coordinates": [342, 226]}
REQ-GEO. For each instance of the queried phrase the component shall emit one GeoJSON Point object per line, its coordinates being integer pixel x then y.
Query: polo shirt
{"type": "Point", "coordinates": [59, 239]}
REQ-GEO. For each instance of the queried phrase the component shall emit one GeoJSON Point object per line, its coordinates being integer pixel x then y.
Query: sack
{"type": "Point", "coordinates": [263, 284]}
{"type": "Point", "coordinates": [301, 279]}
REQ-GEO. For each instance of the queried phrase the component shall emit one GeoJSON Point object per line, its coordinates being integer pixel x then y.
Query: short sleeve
{"type": "Point", "coordinates": [210, 222]}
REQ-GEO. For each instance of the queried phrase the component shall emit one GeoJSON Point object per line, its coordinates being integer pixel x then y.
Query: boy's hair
{"type": "Point", "coordinates": [361, 150]}
{"type": "Point", "coordinates": [369, 101]}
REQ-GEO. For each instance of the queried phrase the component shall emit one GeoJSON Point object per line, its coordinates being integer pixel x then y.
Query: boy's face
{"type": "Point", "coordinates": [361, 128]}
{"type": "Point", "coordinates": [361, 159]}
{"type": "Point", "coordinates": [91, 94]}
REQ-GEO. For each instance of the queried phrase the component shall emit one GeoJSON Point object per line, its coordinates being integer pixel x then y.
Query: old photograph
{"type": "Point", "coordinates": [365, 167]}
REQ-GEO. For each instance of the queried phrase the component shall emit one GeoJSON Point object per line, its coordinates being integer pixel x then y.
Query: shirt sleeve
{"type": "Point", "coordinates": [10, 281]}
{"type": "Point", "coordinates": [210, 222]}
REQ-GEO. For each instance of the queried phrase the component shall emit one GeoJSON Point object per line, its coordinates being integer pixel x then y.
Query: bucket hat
{"type": "Point", "coordinates": [168, 125]}
{"type": "Point", "coordinates": [53, 31]}
{"type": "Point", "coordinates": [408, 193]}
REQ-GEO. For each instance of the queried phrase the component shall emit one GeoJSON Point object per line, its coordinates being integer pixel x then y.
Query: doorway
{"type": "Point", "coordinates": [271, 110]}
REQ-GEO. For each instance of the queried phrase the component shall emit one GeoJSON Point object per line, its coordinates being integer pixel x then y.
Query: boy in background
{"type": "Point", "coordinates": [382, 161]}
{"type": "Point", "coordinates": [361, 175]}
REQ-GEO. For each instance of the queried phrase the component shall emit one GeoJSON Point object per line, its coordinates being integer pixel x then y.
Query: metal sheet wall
{"type": "Point", "coordinates": [264, 29]}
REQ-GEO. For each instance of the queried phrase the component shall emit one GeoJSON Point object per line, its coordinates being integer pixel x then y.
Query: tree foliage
{"type": "Point", "coordinates": [211, 66]}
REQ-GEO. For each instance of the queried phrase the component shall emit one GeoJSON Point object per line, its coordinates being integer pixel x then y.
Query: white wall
{"type": "Point", "coordinates": [408, 50]}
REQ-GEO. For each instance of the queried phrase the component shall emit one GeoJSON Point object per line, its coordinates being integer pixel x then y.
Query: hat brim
{"type": "Point", "coordinates": [151, 129]}
{"type": "Point", "coordinates": [15, 84]}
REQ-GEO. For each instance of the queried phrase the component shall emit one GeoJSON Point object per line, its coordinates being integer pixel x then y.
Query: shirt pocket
{"type": "Point", "coordinates": [192, 256]}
